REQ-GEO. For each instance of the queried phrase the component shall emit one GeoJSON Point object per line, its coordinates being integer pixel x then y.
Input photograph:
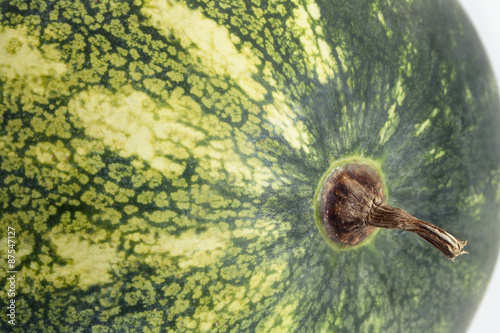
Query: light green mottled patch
{"type": "Point", "coordinates": [118, 123]}
{"type": "Point", "coordinates": [390, 124]}
{"type": "Point", "coordinates": [474, 205]}
{"type": "Point", "coordinates": [87, 264]}
{"type": "Point", "coordinates": [400, 91]}
{"type": "Point", "coordinates": [19, 57]}
{"type": "Point", "coordinates": [392, 121]}
{"type": "Point", "coordinates": [283, 318]}
{"type": "Point", "coordinates": [422, 126]}
{"type": "Point", "coordinates": [35, 74]}
{"type": "Point", "coordinates": [265, 280]}
{"type": "Point", "coordinates": [284, 118]}
{"type": "Point", "coordinates": [434, 154]}
{"type": "Point", "coordinates": [341, 55]}
{"type": "Point", "coordinates": [193, 249]}
{"type": "Point", "coordinates": [208, 42]}
{"type": "Point", "coordinates": [305, 22]}
{"type": "Point", "coordinates": [133, 125]}
{"type": "Point", "coordinates": [381, 18]}
{"type": "Point", "coordinates": [201, 38]}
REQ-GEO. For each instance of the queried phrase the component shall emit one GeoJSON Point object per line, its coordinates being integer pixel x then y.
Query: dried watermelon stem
{"type": "Point", "coordinates": [352, 205]}
{"type": "Point", "coordinates": [384, 216]}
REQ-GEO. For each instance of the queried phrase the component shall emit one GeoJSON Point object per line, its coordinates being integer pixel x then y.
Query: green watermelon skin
{"type": "Point", "coordinates": [159, 161]}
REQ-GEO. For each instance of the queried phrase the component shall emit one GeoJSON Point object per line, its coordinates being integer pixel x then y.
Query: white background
{"type": "Point", "coordinates": [485, 15]}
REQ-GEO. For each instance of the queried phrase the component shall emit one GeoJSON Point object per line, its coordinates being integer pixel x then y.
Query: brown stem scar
{"type": "Point", "coordinates": [352, 205]}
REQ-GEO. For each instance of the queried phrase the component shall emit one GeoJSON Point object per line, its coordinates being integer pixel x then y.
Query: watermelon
{"type": "Point", "coordinates": [161, 161]}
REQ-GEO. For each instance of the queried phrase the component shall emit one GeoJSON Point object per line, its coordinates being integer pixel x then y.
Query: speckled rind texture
{"type": "Point", "coordinates": [159, 160]}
